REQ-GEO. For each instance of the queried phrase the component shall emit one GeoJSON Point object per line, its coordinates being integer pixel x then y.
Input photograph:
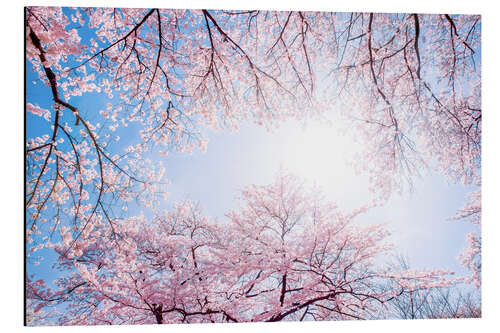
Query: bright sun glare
{"type": "Point", "coordinates": [323, 154]}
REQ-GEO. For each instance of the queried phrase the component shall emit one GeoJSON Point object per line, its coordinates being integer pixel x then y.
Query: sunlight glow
{"type": "Point", "coordinates": [323, 154]}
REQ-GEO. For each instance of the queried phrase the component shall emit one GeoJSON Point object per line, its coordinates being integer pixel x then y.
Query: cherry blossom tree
{"type": "Point", "coordinates": [299, 257]}
{"type": "Point", "coordinates": [471, 255]}
{"type": "Point", "coordinates": [421, 94]}
{"type": "Point", "coordinates": [149, 272]}
{"type": "Point", "coordinates": [287, 254]}
{"type": "Point", "coordinates": [435, 303]}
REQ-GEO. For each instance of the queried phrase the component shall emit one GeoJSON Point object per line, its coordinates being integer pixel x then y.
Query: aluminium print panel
{"type": "Point", "coordinates": [208, 166]}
